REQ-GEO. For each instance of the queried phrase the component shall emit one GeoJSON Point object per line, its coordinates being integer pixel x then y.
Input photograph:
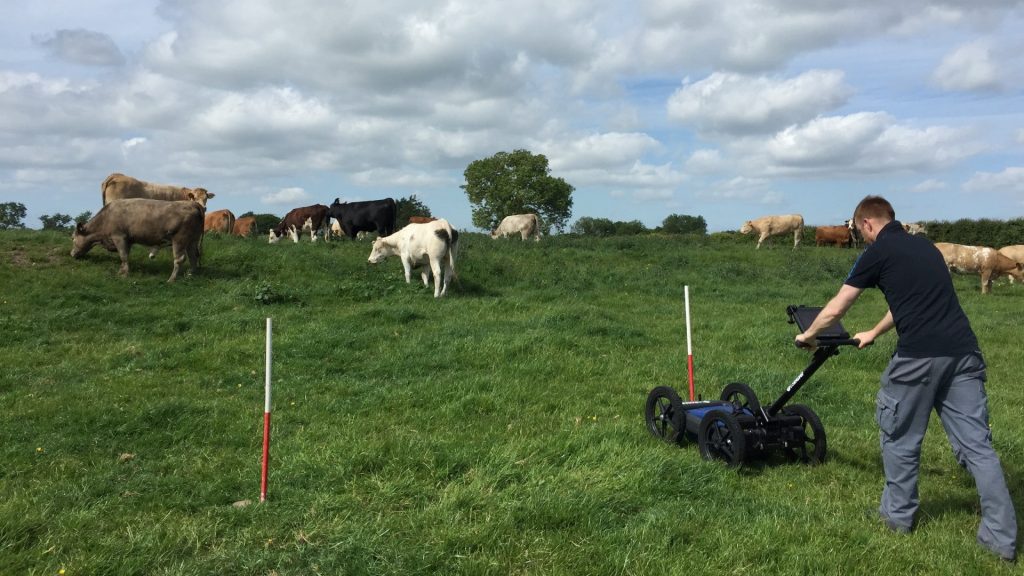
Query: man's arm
{"type": "Point", "coordinates": [830, 314]}
{"type": "Point", "coordinates": [883, 326]}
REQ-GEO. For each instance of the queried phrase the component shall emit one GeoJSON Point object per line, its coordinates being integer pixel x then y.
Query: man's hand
{"type": "Point", "coordinates": [866, 338]}
{"type": "Point", "coordinates": [806, 342]}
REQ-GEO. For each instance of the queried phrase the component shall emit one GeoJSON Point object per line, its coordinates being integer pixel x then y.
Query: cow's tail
{"type": "Point", "coordinates": [103, 187]}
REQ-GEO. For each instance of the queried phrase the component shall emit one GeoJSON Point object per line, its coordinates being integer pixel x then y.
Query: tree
{"type": "Point", "coordinates": [588, 226]}
{"type": "Point", "coordinates": [56, 222]}
{"type": "Point", "coordinates": [516, 183]}
{"type": "Point", "coordinates": [83, 217]}
{"type": "Point", "coordinates": [411, 206]}
{"type": "Point", "coordinates": [264, 222]}
{"type": "Point", "coordinates": [683, 224]}
{"type": "Point", "coordinates": [11, 215]}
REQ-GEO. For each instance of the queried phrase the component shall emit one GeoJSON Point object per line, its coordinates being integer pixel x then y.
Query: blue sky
{"type": "Point", "coordinates": [727, 110]}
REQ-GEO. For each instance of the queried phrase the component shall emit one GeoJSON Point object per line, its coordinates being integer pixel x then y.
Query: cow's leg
{"type": "Point", "coordinates": [796, 237]}
{"type": "Point", "coordinates": [761, 239]}
{"type": "Point", "coordinates": [986, 281]}
{"type": "Point", "coordinates": [408, 270]}
{"type": "Point", "coordinates": [435, 267]}
{"type": "Point", "coordinates": [124, 248]}
{"type": "Point", "coordinates": [178, 257]}
{"type": "Point", "coordinates": [192, 251]}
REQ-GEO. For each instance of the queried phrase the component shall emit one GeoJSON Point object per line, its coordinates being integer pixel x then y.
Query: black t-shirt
{"type": "Point", "coordinates": [911, 273]}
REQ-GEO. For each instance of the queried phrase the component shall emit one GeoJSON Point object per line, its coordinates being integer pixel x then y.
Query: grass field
{"type": "Point", "coordinates": [498, 430]}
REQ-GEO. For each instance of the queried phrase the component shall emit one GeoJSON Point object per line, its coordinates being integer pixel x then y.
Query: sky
{"type": "Point", "coordinates": [726, 110]}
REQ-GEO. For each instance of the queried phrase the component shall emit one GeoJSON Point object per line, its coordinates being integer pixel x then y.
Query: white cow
{"type": "Point", "coordinates": [1016, 253]}
{"type": "Point", "coordinates": [773, 226]}
{"type": "Point", "coordinates": [525, 225]}
{"type": "Point", "coordinates": [427, 246]}
{"type": "Point", "coordinates": [982, 260]}
{"type": "Point", "coordinates": [915, 228]}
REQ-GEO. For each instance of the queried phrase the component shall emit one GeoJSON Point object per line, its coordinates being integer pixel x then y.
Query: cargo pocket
{"type": "Point", "coordinates": [909, 371]}
{"type": "Point", "coordinates": [886, 413]}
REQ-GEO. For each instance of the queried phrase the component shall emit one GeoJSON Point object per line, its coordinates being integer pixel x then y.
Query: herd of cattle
{"type": "Point", "coordinates": [989, 263]}
{"type": "Point", "coordinates": [138, 212]}
{"type": "Point", "coordinates": [155, 215]}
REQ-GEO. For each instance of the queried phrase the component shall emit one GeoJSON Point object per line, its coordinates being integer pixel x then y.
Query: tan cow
{"type": "Point", "coordinates": [915, 228]}
{"type": "Point", "coordinates": [980, 260]}
{"type": "Point", "coordinates": [122, 223]}
{"type": "Point", "coordinates": [118, 186]}
{"type": "Point", "coordinates": [525, 225]}
{"type": "Point", "coordinates": [838, 235]}
{"type": "Point", "coordinates": [1016, 253]}
{"type": "Point", "coordinates": [219, 222]}
{"type": "Point", "coordinates": [244, 226]}
{"type": "Point", "coordinates": [775, 225]}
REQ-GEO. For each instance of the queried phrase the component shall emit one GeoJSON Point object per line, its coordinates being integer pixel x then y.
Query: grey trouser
{"type": "Point", "coordinates": [955, 388]}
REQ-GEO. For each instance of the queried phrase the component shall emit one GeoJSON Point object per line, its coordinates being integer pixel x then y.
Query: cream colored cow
{"type": "Point", "coordinates": [981, 260]}
{"type": "Point", "coordinates": [775, 225]}
{"type": "Point", "coordinates": [1014, 252]}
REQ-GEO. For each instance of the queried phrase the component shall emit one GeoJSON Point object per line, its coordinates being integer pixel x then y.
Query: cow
{"type": "Point", "coordinates": [982, 260]}
{"type": "Point", "coordinates": [855, 238]}
{"type": "Point", "coordinates": [915, 228]}
{"type": "Point", "coordinates": [295, 220]}
{"type": "Point", "coordinates": [421, 219]}
{"type": "Point", "coordinates": [118, 187]}
{"type": "Point", "coordinates": [123, 223]}
{"type": "Point", "coordinates": [368, 216]}
{"type": "Point", "coordinates": [244, 226]}
{"type": "Point", "coordinates": [775, 225]}
{"type": "Point", "coordinates": [1016, 253]}
{"type": "Point", "coordinates": [525, 225]}
{"type": "Point", "coordinates": [838, 235]}
{"type": "Point", "coordinates": [219, 221]}
{"type": "Point", "coordinates": [429, 246]}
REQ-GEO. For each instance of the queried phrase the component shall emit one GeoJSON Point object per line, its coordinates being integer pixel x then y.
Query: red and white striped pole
{"type": "Point", "coordinates": [266, 416]}
{"type": "Point", "coordinates": [689, 349]}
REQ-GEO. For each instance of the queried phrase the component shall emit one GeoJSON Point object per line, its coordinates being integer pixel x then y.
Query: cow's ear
{"type": "Point", "coordinates": [78, 228]}
{"type": "Point", "coordinates": [208, 195]}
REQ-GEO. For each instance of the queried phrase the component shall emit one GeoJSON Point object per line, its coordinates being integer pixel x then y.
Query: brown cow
{"type": "Point", "coordinates": [838, 235]}
{"type": "Point", "coordinates": [980, 260]}
{"type": "Point", "coordinates": [421, 219]}
{"type": "Point", "coordinates": [1014, 252]}
{"type": "Point", "coordinates": [219, 221]}
{"type": "Point", "coordinates": [295, 220]}
{"type": "Point", "coordinates": [774, 225]}
{"type": "Point", "coordinates": [244, 226]}
{"type": "Point", "coordinates": [122, 223]}
{"type": "Point", "coordinates": [118, 186]}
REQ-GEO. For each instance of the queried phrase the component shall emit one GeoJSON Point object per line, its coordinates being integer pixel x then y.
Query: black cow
{"type": "Point", "coordinates": [370, 216]}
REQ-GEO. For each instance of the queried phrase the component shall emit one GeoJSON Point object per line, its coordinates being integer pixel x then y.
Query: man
{"type": "Point", "coordinates": [937, 364]}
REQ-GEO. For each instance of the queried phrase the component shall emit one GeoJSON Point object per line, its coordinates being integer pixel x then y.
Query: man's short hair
{"type": "Point", "coordinates": [874, 207]}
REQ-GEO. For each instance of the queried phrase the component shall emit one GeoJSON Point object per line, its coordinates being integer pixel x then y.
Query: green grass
{"type": "Point", "coordinates": [498, 430]}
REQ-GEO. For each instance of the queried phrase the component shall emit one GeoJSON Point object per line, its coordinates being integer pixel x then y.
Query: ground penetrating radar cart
{"type": "Point", "coordinates": [736, 426]}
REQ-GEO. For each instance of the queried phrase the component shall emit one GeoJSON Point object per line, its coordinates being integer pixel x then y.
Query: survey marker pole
{"type": "Point", "coordinates": [689, 348]}
{"type": "Point", "coordinates": [266, 414]}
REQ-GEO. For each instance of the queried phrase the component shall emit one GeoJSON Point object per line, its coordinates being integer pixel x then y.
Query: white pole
{"type": "Point", "coordinates": [266, 415]}
{"type": "Point", "coordinates": [689, 348]}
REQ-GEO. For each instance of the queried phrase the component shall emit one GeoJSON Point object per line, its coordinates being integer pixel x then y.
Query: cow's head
{"type": "Point", "coordinates": [80, 243]}
{"type": "Point", "coordinates": [199, 195]}
{"type": "Point", "coordinates": [747, 227]}
{"type": "Point", "coordinates": [274, 238]}
{"type": "Point", "coordinates": [381, 250]}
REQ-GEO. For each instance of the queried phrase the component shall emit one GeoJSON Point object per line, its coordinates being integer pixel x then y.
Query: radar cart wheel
{"type": "Point", "coordinates": [720, 437]}
{"type": "Point", "coordinates": [664, 414]}
{"type": "Point", "coordinates": [808, 444]}
{"type": "Point", "coordinates": [742, 397]}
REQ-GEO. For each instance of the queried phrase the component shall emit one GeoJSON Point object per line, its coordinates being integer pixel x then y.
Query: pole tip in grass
{"type": "Point", "coordinates": [241, 504]}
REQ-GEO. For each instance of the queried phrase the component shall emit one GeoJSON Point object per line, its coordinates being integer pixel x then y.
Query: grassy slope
{"type": "Point", "coordinates": [496, 431]}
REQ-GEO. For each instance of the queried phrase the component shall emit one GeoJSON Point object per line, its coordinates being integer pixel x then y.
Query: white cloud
{"type": "Point", "coordinates": [930, 185]}
{"type": "Point", "coordinates": [741, 188]}
{"type": "Point", "coordinates": [706, 161]}
{"type": "Point", "coordinates": [726, 103]}
{"type": "Point", "coordinates": [607, 150]}
{"type": "Point", "coordinates": [287, 196]}
{"type": "Point", "coordinates": [1009, 180]}
{"type": "Point", "coordinates": [970, 67]}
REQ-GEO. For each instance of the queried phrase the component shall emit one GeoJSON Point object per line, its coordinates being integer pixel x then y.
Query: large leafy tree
{"type": "Point", "coordinates": [56, 222]}
{"type": "Point", "coordinates": [517, 183]}
{"type": "Point", "coordinates": [684, 224]}
{"type": "Point", "coordinates": [11, 215]}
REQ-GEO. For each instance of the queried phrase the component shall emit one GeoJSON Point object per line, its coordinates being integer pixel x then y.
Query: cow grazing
{"type": "Point", "coordinates": [429, 246]}
{"type": "Point", "coordinates": [916, 228]}
{"type": "Point", "coordinates": [1015, 253]}
{"type": "Point", "coordinates": [767, 226]}
{"type": "Point", "coordinates": [219, 222]}
{"type": "Point", "coordinates": [370, 216]}
{"type": "Point", "coordinates": [421, 219]}
{"type": "Point", "coordinates": [525, 225]}
{"type": "Point", "coordinates": [244, 226]}
{"type": "Point", "coordinates": [123, 223]}
{"type": "Point", "coordinates": [982, 260]}
{"type": "Point", "coordinates": [828, 235]}
{"type": "Point", "coordinates": [118, 187]}
{"type": "Point", "coordinates": [295, 220]}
